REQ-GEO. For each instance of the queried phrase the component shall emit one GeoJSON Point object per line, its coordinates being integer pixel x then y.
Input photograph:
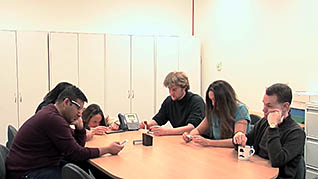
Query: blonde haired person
{"type": "Point", "coordinates": [182, 108]}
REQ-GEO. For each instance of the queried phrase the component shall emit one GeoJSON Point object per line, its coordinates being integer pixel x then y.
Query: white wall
{"type": "Point", "coordinates": [154, 17]}
{"type": "Point", "coordinates": [259, 42]}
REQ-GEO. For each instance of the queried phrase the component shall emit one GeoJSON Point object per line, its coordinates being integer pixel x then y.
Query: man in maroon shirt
{"type": "Point", "coordinates": [46, 138]}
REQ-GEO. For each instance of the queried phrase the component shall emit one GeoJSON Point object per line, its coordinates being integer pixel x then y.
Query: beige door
{"type": "Point", "coordinates": [63, 58]}
{"type": "Point", "coordinates": [117, 74]}
{"type": "Point", "coordinates": [167, 61]}
{"type": "Point", "coordinates": [143, 73]}
{"type": "Point", "coordinates": [8, 95]}
{"type": "Point", "coordinates": [190, 62]}
{"type": "Point", "coordinates": [33, 71]}
{"type": "Point", "coordinates": [91, 67]}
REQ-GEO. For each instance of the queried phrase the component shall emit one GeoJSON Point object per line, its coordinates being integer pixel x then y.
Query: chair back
{"type": "Point", "coordinates": [254, 118]}
{"type": "Point", "coordinates": [301, 169]}
{"type": "Point", "coordinates": [72, 171]}
{"type": "Point", "coordinates": [4, 151]}
{"type": "Point", "coordinates": [3, 154]}
{"type": "Point", "coordinates": [11, 134]}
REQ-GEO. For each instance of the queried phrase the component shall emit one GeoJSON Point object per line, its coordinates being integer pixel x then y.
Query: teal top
{"type": "Point", "coordinates": [241, 113]}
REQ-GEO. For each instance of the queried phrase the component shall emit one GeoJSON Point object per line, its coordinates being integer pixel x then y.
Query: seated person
{"type": "Point", "coordinates": [51, 96]}
{"type": "Point", "coordinates": [46, 138]}
{"type": "Point", "coordinates": [277, 136]}
{"type": "Point", "coordinates": [225, 115]}
{"type": "Point", "coordinates": [183, 109]}
{"type": "Point", "coordinates": [95, 122]}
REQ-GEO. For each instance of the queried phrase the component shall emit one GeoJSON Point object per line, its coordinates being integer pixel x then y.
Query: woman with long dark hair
{"type": "Point", "coordinates": [50, 97]}
{"type": "Point", "coordinates": [225, 115]}
{"type": "Point", "coordinates": [95, 122]}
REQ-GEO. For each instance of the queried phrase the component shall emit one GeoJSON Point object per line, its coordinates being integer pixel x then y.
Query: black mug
{"type": "Point", "coordinates": [146, 139]}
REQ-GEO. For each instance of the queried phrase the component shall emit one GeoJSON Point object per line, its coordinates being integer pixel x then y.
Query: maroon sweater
{"type": "Point", "coordinates": [43, 141]}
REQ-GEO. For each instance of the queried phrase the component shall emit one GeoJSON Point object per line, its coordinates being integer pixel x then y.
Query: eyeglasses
{"type": "Point", "coordinates": [79, 107]}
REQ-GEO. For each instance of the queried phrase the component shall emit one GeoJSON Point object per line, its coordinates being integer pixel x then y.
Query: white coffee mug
{"type": "Point", "coordinates": [244, 153]}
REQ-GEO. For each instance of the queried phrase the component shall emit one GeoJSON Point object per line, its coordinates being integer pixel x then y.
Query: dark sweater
{"type": "Point", "coordinates": [188, 110]}
{"type": "Point", "coordinates": [43, 141]}
{"type": "Point", "coordinates": [285, 145]}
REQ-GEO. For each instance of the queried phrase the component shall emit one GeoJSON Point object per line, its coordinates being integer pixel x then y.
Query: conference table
{"type": "Point", "coordinates": [172, 157]}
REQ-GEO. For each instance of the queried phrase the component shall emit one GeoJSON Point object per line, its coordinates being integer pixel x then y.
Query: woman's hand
{"type": "Point", "coordinates": [99, 130]}
{"type": "Point", "coordinates": [200, 140]}
{"type": "Point", "coordinates": [186, 137]}
{"type": "Point", "coordinates": [114, 127]}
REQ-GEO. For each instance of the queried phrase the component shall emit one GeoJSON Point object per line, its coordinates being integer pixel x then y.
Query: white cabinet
{"type": "Point", "coordinates": [63, 49]}
{"type": "Point", "coordinates": [24, 76]}
{"type": "Point", "coordinates": [311, 146]}
{"type": "Point", "coordinates": [177, 54]}
{"type": "Point", "coordinates": [136, 67]}
{"type": "Point", "coordinates": [117, 75]}
{"type": "Point", "coordinates": [8, 78]}
{"type": "Point", "coordinates": [129, 75]}
{"type": "Point", "coordinates": [142, 77]}
{"type": "Point", "coordinates": [121, 73]}
{"type": "Point", "coordinates": [91, 67]}
{"type": "Point", "coordinates": [79, 59]}
{"type": "Point", "coordinates": [33, 81]}
{"type": "Point", "coordinates": [190, 61]}
{"type": "Point", "coordinates": [167, 60]}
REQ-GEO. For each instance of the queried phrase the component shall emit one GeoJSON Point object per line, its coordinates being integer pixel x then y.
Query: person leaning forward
{"type": "Point", "coordinates": [46, 138]}
{"type": "Point", "coordinates": [183, 109]}
{"type": "Point", "coordinates": [277, 136]}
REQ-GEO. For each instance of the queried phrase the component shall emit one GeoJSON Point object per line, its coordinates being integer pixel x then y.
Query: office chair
{"type": "Point", "coordinates": [11, 134]}
{"type": "Point", "coordinates": [3, 151]}
{"type": "Point", "coordinates": [72, 171]}
{"type": "Point", "coordinates": [254, 118]}
{"type": "Point", "coordinates": [301, 169]}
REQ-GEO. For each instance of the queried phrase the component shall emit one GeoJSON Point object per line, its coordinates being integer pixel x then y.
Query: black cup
{"type": "Point", "coordinates": [146, 139]}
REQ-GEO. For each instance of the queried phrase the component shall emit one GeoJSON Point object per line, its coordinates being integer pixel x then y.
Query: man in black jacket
{"type": "Point", "coordinates": [277, 136]}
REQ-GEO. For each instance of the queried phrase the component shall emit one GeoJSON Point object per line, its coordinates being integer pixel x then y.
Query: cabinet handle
{"type": "Point", "coordinates": [15, 98]}
{"type": "Point", "coordinates": [133, 94]}
{"type": "Point", "coordinates": [20, 97]}
{"type": "Point", "coordinates": [128, 94]}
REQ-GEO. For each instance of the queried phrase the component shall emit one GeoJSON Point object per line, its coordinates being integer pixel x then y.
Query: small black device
{"type": "Point", "coordinates": [128, 122]}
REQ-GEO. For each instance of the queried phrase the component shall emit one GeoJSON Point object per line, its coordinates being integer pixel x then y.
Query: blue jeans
{"type": "Point", "coordinates": [45, 173]}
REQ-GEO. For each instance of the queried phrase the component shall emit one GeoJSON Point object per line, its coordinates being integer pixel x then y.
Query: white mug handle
{"type": "Point", "coordinates": [252, 151]}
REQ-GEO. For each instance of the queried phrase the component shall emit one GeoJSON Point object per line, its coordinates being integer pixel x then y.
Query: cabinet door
{"type": "Point", "coordinates": [117, 74]}
{"type": "Point", "coordinates": [91, 67]}
{"type": "Point", "coordinates": [167, 61]}
{"type": "Point", "coordinates": [63, 58]}
{"type": "Point", "coordinates": [143, 77]}
{"type": "Point", "coordinates": [190, 62]}
{"type": "Point", "coordinates": [32, 53]}
{"type": "Point", "coordinates": [8, 95]}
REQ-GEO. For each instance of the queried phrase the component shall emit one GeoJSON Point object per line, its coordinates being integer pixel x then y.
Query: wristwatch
{"type": "Point", "coordinates": [272, 125]}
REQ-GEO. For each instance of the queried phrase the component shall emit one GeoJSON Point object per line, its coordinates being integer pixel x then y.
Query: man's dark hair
{"type": "Point", "coordinates": [73, 93]}
{"type": "Point", "coordinates": [282, 91]}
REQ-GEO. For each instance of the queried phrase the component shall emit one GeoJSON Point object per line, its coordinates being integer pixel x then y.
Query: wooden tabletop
{"type": "Point", "coordinates": [171, 157]}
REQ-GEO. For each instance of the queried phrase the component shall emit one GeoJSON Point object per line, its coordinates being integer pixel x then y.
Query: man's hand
{"type": "Point", "coordinates": [186, 137]}
{"type": "Point", "coordinates": [275, 117]}
{"type": "Point", "coordinates": [113, 148]}
{"type": "Point", "coordinates": [240, 138]}
{"type": "Point", "coordinates": [78, 124]}
{"type": "Point", "coordinates": [157, 130]}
